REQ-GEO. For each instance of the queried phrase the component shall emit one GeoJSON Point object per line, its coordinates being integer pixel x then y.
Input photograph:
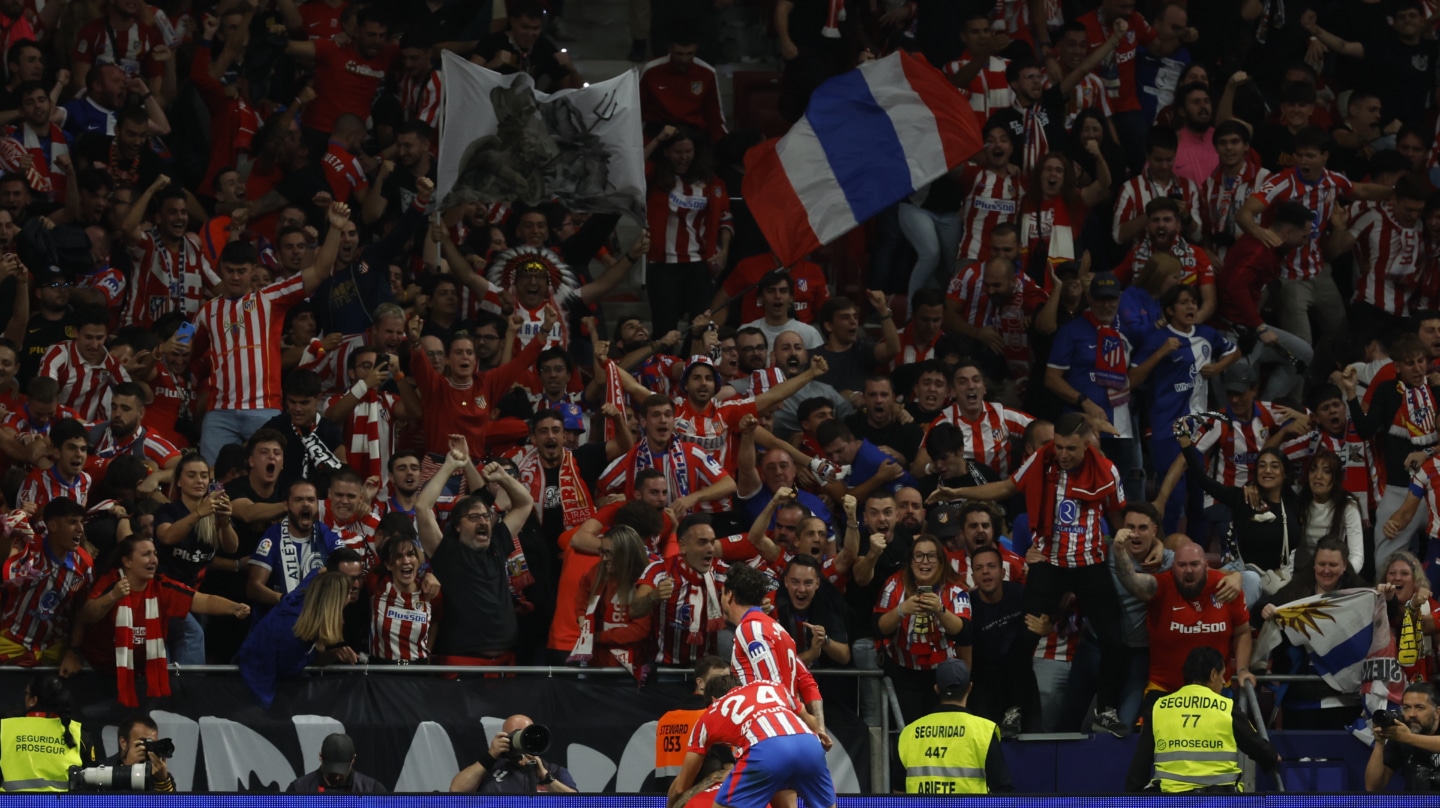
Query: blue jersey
{"type": "Point", "coordinates": [1074, 353]}
{"type": "Point", "coordinates": [291, 559]}
{"type": "Point", "coordinates": [1176, 386]}
{"type": "Point", "coordinates": [868, 459]}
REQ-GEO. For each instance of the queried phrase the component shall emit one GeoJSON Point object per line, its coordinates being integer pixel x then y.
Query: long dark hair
{"type": "Point", "coordinates": [1341, 499]}
{"type": "Point", "coordinates": [702, 166]}
{"type": "Point", "coordinates": [1109, 149]}
{"type": "Point", "coordinates": [52, 696]}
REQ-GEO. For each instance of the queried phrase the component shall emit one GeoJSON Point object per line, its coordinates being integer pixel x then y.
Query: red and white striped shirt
{"type": "Point", "coordinates": [1195, 266]}
{"type": "Point", "coordinates": [420, 98]}
{"type": "Point", "coordinates": [40, 594]}
{"type": "Point", "coordinates": [677, 619]}
{"type": "Point", "coordinates": [698, 471]}
{"type": "Point", "coordinates": [144, 444]}
{"type": "Point", "coordinates": [1137, 192]}
{"type": "Point", "coordinates": [967, 290]}
{"type": "Point", "coordinates": [1089, 93]}
{"type": "Point", "coordinates": [358, 534]}
{"type": "Point", "coordinates": [987, 437]}
{"type": "Point", "coordinates": [1318, 197]}
{"type": "Point", "coordinates": [369, 433]}
{"type": "Point", "coordinates": [1239, 444]}
{"type": "Point", "coordinates": [1063, 640]}
{"type": "Point", "coordinates": [685, 221]}
{"type": "Point", "coordinates": [1074, 538]}
{"type": "Point", "coordinates": [1422, 485]}
{"type": "Point", "coordinates": [20, 420]}
{"type": "Point", "coordinates": [912, 352]}
{"type": "Point", "coordinates": [988, 92]}
{"type": "Point", "coordinates": [920, 643]}
{"type": "Point", "coordinates": [1222, 197]}
{"type": "Point", "coordinates": [238, 339]}
{"type": "Point", "coordinates": [990, 199]}
{"type": "Point", "coordinates": [84, 387]}
{"type": "Point", "coordinates": [399, 624]}
{"type": "Point", "coordinates": [715, 428]}
{"type": "Point", "coordinates": [746, 716]}
{"type": "Point", "coordinates": [534, 319]}
{"type": "Point", "coordinates": [1359, 476]}
{"type": "Point", "coordinates": [1389, 257]}
{"type": "Point", "coordinates": [43, 485]}
{"type": "Point", "coordinates": [164, 281]}
{"type": "Point", "coordinates": [765, 652]}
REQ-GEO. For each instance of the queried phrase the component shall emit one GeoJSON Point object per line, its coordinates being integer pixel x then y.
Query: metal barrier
{"type": "Point", "coordinates": [1251, 704]}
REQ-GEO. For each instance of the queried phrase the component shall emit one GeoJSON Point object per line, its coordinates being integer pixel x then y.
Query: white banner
{"type": "Point", "coordinates": [501, 140]}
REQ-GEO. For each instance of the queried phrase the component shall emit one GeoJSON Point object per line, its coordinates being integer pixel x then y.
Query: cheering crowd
{"type": "Point", "coordinates": [1156, 360]}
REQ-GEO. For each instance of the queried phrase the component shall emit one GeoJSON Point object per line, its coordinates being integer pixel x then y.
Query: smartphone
{"type": "Point", "coordinates": [925, 590]}
{"type": "Point", "coordinates": [216, 487]}
{"type": "Point", "coordinates": [184, 333]}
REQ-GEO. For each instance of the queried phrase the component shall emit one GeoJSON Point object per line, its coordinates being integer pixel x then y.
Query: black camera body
{"type": "Point", "coordinates": [160, 747]}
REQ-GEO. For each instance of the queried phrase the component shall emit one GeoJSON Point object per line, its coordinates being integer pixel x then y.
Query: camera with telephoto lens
{"type": "Point", "coordinates": [533, 740]}
{"type": "Point", "coordinates": [1385, 718]}
{"type": "Point", "coordinates": [159, 747]}
{"type": "Point", "coordinates": [111, 778]}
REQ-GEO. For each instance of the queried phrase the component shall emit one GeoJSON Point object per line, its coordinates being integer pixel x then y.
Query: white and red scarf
{"type": "Point", "coordinates": [574, 494]}
{"type": "Point", "coordinates": [584, 650]}
{"type": "Point", "coordinates": [614, 394]}
{"type": "Point", "coordinates": [1415, 419]}
{"type": "Point", "coordinates": [157, 679]}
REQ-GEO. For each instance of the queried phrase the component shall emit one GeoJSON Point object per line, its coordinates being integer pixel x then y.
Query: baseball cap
{"type": "Point", "coordinates": [943, 520]}
{"type": "Point", "coordinates": [952, 676]}
{"type": "Point", "coordinates": [50, 276]}
{"type": "Point", "coordinates": [572, 416]}
{"type": "Point", "coordinates": [695, 362]}
{"type": "Point", "coordinates": [1067, 270]}
{"type": "Point", "coordinates": [1240, 378]}
{"type": "Point", "coordinates": [1104, 284]}
{"type": "Point", "coordinates": [336, 753]}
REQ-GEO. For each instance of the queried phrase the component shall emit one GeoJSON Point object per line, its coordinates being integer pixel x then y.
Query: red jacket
{"type": "Point", "coordinates": [1250, 266]}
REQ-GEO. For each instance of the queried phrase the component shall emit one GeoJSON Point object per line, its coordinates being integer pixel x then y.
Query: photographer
{"type": "Point", "coordinates": [1411, 744]}
{"type": "Point", "coordinates": [503, 770]}
{"type": "Point", "coordinates": [134, 735]}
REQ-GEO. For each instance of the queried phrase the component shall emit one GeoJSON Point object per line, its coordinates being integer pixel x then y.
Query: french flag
{"type": "Point", "coordinates": [869, 138]}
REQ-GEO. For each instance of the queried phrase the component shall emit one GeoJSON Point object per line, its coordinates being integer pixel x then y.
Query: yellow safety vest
{"type": "Point", "coordinates": [1195, 740]}
{"type": "Point", "coordinates": [33, 754]}
{"type": "Point", "coordinates": [944, 753]}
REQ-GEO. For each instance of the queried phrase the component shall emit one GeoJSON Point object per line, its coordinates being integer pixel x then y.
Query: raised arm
{"type": "Point", "coordinates": [338, 216]}
{"type": "Point", "coordinates": [426, 523]}
{"type": "Point", "coordinates": [130, 226]}
{"type": "Point", "coordinates": [759, 535]}
{"type": "Point", "coordinates": [521, 503]}
{"type": "Point", "coordinates": [1141, 585]}
{"type": "Point", "coordinates": [596, 290]}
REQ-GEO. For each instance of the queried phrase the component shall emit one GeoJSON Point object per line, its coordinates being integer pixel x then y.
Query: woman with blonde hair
{"type": "Point", "coordinates": [188, 532]}
{"type": "Point", "coordinates": [306, 628]}
{"type": "Point", "coordinates": [610, 635]}
{"type": "Point", "coordinates": [1411, 609]}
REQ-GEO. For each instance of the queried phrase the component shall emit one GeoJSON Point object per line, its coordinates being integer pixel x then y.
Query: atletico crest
{"type": "Point", "coordinates": [480, 402]}
{"type": "Point", "coordinates": [697, 87]}
{"type": "Point", "coordinates": [802, 284]}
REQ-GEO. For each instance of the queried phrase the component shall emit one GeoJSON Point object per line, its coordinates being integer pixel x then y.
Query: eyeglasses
{"type": "Point", "coordinates": [925, 557]}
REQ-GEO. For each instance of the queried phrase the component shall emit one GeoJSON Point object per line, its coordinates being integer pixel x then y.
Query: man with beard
{"type": "Point", "coordinates": [1409, 745]}
{"type": "Point", "coordinates": [809, 535]}
{"type": "Point", "coordinates": [360, 281]}
{"type": "Point", "coordinates": [693, 476]}
{"type": "Point", "coordinates": [289, 551]}
{"type": "Point", "coordinates": [489, 331]}
{"type": "Point", "coordinates": [399, 181]}
{"type": "Point", "coordinates": [553, 475]}
{"type": "Point", "coordinates": [347, 77]}
{"type": "Point", "coordinates": [792, 357]}
{"type": "Point", "coordinates": [976, 524]}
{"type": "Point", "coordinates": [1162, 235]}
{"type": "Point", "coordinates": [472, 558]}
{"type": "Point", "coordinates": [684, 592]}
{"type": "Point", "coordinates": [120, 38]}
{"type": "Point", "coordinates": [42, 139]}
{"type": "Point", "coordinates": [171, 274]}
{"type": "Point", "coordinates": [1157, 181]}
{"type": "Point", "coordinates": [881, 425]}
{"type": "Point", "coordinates": [1185, 610]}
{"type": "Point", "coordinates": [1196, 158]}
{"type": "Point", "coordinates": [649, 361]}
{"type": "Point", "coordinates": [386, 332]}
{"type": "Point", "coordinates": [124, 434]}
{"type": "Point", "coordinates": [1038, 113]}
{"type": "Point", "coordinates": [910, 510]}
{"type": "Point", "coordinates": [991, 304]}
